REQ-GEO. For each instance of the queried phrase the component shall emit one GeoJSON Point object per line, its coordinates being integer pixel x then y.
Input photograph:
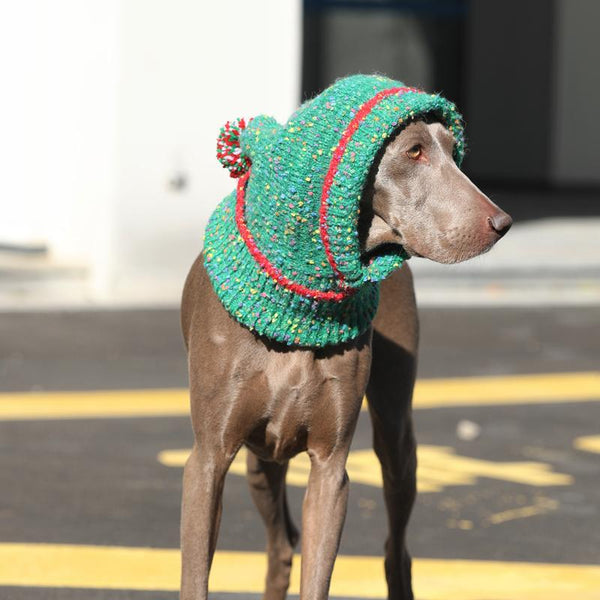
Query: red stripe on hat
{"type": "Point", "coordinates": [338, 153]}
{"type": "Point", "coordinates": [263, 261]}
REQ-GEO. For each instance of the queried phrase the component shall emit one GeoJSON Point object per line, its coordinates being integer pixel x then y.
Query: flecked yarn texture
{"type": "Point", "coordinates": [282, 251]}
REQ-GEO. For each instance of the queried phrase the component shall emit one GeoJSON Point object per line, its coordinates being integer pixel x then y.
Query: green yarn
{"type": "Point", "coordinates": [283, 196]}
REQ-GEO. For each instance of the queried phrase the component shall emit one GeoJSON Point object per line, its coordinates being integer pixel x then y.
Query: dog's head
{"type": "Point", "coordinates": [418, 198]}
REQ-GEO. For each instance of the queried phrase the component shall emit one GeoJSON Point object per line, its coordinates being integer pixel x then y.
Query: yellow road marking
{"type": "Point", "coordinates": [514, 389]}
{"type": "Point", "coordinates": [106, 567]}
{"type": "Point", "coordinates": [464, 524]}
{"type": "Point", "coordinates": [429, 393]}
{"type": "Point", "coordinates": [94, 404]}
{"type": "Point", "coordinates": [438, 467]}
{"type": "Point", "coordinates": [542, 505]}
{"type": "Point", "coordinates": [589, 443]}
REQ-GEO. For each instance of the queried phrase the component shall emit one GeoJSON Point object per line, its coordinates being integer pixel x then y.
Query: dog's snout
{"type": "Point", "coordinates": [500, 223]}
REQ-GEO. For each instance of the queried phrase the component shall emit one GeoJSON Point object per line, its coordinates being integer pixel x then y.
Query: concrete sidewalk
{"type": "Point", "coordinates": [546, 261]}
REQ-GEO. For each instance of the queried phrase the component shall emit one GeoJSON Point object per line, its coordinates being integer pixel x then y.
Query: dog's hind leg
{"type": "Point", "coordinates": [267, 486]}
{"type": "Point", "coordinates": [203, 481]}
{"type": "Point", "coordinates": [389, 395]}
{"type": "Point", "coordinates": [394, 444]}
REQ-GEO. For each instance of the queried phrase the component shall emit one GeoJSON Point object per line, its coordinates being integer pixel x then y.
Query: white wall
{"type": "Point", "coordinates": [58, 123]}
{"type": "Point", "coordinates": [108, 100]}
{"type": "Point", "coordinates": [186, 67]}
{"type": "Point", "coordinates": [21, 122]}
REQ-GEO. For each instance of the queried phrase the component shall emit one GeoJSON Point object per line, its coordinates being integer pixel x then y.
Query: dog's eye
{"type": "Point", "coordinates": [414, 152]}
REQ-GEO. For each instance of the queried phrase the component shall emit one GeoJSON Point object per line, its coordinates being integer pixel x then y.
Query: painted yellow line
{"type": "Point", "coordinates": [514, 389]}
{"type": "Point", "coordinates": [94, 404]}
{"type": "Point", "coordinates": [105, 567]}
{"type": "Point", "coordinates": [541, 506]}
{"type": "Point", "coordinates": [589, 443]}
{"type": "Point", "coordinates": [429, 393]}
{"type": "Point", "coordinates": [438, 468]}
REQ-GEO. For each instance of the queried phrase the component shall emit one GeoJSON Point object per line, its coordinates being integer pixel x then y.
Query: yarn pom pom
{"type": "Point", "coordinates": [229, 151]}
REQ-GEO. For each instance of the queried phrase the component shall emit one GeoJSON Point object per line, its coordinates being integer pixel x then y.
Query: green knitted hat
{"type": "Point", "coordinates": [282, 251]}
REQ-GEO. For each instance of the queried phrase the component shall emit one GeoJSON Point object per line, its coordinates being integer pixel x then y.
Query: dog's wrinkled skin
{"type": "Point", "coordinates": [280, 400]}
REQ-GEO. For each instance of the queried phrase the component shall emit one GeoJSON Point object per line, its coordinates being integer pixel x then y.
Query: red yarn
{"type": "Point", "coordinates": [267, 266]}
{"type": "Point", "coordinates": [229, 151]}
{"type": "Point", "coordinates": [338, 153]}
{"type": "Point", "coordinates": [239, 166]}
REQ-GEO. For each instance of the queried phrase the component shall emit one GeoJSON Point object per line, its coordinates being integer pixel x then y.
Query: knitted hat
{"type": "Point", "coordinates": [282, 251]}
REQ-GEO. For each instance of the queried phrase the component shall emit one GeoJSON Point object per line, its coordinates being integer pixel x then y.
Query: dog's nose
{"type": "Point", "coordinates": [500, 223]}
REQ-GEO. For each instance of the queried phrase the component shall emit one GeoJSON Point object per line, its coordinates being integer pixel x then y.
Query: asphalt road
{"type": "Point", "coordinates": [521, 489]}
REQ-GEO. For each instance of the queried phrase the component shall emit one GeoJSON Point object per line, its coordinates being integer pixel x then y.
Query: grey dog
{"type": "Point", "coordinates": [280, 400]}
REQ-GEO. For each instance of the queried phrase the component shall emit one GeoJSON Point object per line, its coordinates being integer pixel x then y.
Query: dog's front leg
{"type": "Point", "coordinates": [323, 514]}
{"type": "Point", "coordinates": [203, 480]}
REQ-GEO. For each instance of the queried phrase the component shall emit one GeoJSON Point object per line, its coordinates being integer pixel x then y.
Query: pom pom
{"type": "Point", "coordinates": [229, 151]}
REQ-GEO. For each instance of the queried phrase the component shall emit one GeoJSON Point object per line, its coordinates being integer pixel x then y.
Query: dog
{"type": "Point", "coordinates": [279, 400]}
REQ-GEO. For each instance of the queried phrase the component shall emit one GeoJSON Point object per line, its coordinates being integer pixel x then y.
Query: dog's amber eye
{"type": "Point", "coordinates": [414, 152]}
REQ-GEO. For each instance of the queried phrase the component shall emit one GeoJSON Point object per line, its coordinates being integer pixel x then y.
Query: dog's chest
{"type": "Point", "coordinates": [307, 398]}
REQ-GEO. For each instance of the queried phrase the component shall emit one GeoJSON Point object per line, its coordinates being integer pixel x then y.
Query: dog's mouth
{"type": "Point", "coordinates": [387, 249]}
{"type": "Point", "coordinates": [453, 256]}
{"type": "Point", "coordinates": [411, 251]}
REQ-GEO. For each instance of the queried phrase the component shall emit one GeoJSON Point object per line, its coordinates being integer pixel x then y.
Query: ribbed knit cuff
{"type": "Point", "coordinates": [258, 302]}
